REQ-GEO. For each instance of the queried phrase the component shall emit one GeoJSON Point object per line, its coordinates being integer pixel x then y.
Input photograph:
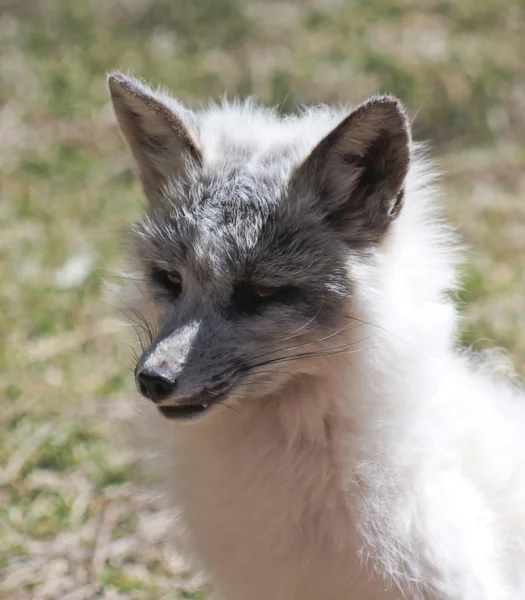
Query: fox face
{"type": "Point", "coordinates": [245, 247]}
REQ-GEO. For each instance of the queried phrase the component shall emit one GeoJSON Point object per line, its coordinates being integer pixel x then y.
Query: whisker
{"type": "Point", "coordinates": [133, 352]}
{"type": "Point", "coordinates": [212, 393]}
{"type": "Point", "coordinates": [296, 333]}
{"type": "Point", "coordinates": [312, 319]}
{"type": "Point", "coordinates": [332, 335]}
{"type": "Point", "coordinates": [338, 332]}
{"type": "Point", "coordinates": [223, 402]}
{"type": "Point", "coordinates": [141, 321]}
{"type": "Point", "coordinates": [325, 352]}
{"type": "Point", "coordinates": [331, 352]}
{"type": "Point", "coordinates": [384, 330]}
{"type": "Point", "coordinates": [277, 371]}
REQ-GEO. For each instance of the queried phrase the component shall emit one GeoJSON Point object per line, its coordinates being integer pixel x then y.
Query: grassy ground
{"type": "Point", "coordinates": [78, 519]}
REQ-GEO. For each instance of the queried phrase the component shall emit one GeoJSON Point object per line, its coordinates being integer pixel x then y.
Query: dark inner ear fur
{"type": "Point", "coordinates": [157, 137]}
{"type": "Point", "coordinates": [357, 171]}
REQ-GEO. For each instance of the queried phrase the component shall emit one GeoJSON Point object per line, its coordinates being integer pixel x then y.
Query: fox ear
{"type": "Point", "coordinates": [357, 171]}
{"type": "Point", "coordinates": [152, 124]}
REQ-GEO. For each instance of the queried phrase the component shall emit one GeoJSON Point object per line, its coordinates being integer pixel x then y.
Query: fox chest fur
{"type": "Point", "coordinates": [266, 513]}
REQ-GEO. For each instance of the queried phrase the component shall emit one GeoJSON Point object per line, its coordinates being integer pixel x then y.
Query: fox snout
{"type": "Point", "coordinates": [159, 386]}
{"type": "Point", "coordinates": [172, 374]}
{"type": "Point", "coordinates": [156, 376]}
{"type": "Point", "coordinates": [155, 384]}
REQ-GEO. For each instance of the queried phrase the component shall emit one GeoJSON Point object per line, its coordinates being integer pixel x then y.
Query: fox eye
{"type": "Point", "coordinates": [173, 278]}
{"type": "Point", "coordinates": [249, 298]}
{"type": "Point", "coordinates": [264, 291]}
{"type": "Point", "coordinates": [169, 280]}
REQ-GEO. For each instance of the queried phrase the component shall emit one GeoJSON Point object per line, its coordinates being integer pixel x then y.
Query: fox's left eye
{"type": "Point", "coordinates": [173, 278]}
{"type": "Point", "coordinates": [264, 291]}
{"type": "Point", "coordinates": [249, 298]}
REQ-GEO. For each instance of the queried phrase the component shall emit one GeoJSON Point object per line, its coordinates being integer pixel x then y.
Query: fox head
{"type": "Point", "coordinates": [245, 246]}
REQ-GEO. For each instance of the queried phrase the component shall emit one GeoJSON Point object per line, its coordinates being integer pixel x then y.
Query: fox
{"type": "Point", "coordinates": [321, 433]}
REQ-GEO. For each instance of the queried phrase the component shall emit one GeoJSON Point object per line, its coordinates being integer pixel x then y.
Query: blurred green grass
{"type": "Point", "coordinates": [77, 518]}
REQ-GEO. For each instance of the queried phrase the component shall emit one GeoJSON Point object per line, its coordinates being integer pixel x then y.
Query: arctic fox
{"type": "Point", "coordinates": [324, 438]}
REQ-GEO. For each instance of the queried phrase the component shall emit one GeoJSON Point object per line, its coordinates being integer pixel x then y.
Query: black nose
{"type": "Point", "coordinates": [154, 386]}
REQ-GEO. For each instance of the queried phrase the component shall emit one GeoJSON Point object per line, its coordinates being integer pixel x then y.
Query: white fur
{"type": "Point", "coordinates": [398, 473]}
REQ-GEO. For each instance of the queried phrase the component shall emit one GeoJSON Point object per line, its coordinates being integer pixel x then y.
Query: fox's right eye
{"type": "Point", "coordinates": [171, 281]}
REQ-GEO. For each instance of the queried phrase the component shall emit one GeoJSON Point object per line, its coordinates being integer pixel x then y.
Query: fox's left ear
{"type": "Point", "coordinates": [358, 170]}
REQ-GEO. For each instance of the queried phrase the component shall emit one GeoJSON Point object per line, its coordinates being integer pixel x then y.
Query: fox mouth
{"type": "Point", "coordinates": [184, 411]}
{"type": "Point", "coordinates": [192, 408]}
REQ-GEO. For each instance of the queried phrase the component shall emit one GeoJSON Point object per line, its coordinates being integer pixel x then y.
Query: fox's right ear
{"type": "Point", "coordinates": [152, 124]}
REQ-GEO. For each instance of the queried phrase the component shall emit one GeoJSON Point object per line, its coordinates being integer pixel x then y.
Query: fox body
{"type": "Point", "coordinates": [321, 435]}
